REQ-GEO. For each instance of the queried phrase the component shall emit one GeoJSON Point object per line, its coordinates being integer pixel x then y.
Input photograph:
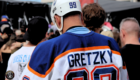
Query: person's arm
{"type": "Point", "coordinates": [16, 45]}
{"type": "Point", "coordinates": [1, 60]}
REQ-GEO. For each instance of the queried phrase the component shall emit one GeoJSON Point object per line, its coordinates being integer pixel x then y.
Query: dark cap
{"type": "Point", "coordinates": [37, 29]}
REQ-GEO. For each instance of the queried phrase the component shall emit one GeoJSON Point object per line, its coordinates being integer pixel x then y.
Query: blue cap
{"type": "Point", "coordinates": [4, 16]}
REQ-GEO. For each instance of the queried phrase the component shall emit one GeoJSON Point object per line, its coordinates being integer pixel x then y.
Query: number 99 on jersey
{"type": "Point", "coordinates": [107, 72]}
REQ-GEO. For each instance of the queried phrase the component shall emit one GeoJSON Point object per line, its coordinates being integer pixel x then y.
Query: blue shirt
{"type": "Point", "coordinates": [79, 30]}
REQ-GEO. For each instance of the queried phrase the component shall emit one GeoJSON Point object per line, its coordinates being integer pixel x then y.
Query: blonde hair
{"type": "Point", "coordinates": [18, 32]}
{"type": "Point", "coordinates": [107, 33]}
{"type": "Point", "coordinates": [129, 19]}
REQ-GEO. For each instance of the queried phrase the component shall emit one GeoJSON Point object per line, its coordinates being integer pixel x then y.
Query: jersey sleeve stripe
{"type": "Point", "coordinates": [65, 53]}
{"type": "Point", "coordinates": [38, 74]}
{"type": "Point", "coordinates": [115, 52]}
{"type": "Point", "coordinates": [124, 67]}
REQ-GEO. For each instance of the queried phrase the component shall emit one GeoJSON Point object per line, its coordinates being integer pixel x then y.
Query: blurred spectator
{"type": "Point", "coordinates": [53, 27]}
{"type": "Point", "coordinates": [20, 38]}
{"type": "Point", "coordinates": [23, 29]}
{"type": "Point", "coordinates": [20, 41]}
{"type": "Point", "coordinates": [18, 32]}
{"type": "Point", "coordinates": [105, 28]}
{"type": "Point", "coordinates": [6, 52]}
{"type": "Point", "coordinates": [107, 33]}
{"type": "Point", "coordinates": [57, 33]}
{"type": "Point", "coordinates": [129, 35]}
{"type": "Point", "coordinates": [51, 32]}
{"type": "Point", "coordinates": [94, 17]}
{"type": "Point", "coordinates": [17, 45]}
{"type": "Point", "coordinates": [4, 20]}
{"type": "Point", "coordinates": [37, 29]}
{"type": "Point", "coordinates": [54, 35]}
{"type": "Point", "coordinates": [108, 24]}
{"type": "Point", "coordinates": [6, 47]}
{"type": "Point", "coordinates": [5, 30]}
{"type": "Point", "coordinates": [6, 33]}
{"type": "Point", "coordinates": [116, 34]}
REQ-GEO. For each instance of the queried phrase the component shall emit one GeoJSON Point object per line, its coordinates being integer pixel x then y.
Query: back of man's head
{"type": "Point", "coordinates": [129, 31]}
{"type": "Point", "coordinates": [130, 26]}
{"type": "Point", "coordinates": [94, 16]}
{"type": "Point", "coordinates": [37, 29]}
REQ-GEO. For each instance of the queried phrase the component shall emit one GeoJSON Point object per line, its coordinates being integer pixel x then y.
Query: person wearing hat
{"type": "Point", "coordinates": [35, 34]}
{"type": "Point", "coordinates": [77, 54]}
{"type": "Point", "coordinates": [6, 31]}
{"type": "Point", "coordinates": [4, 20]}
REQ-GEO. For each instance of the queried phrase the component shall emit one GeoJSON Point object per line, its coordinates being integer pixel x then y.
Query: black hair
{"type": "Point", "coordinates": [20, 38]}
{"type": "Point", "coordinates": [7, 31]}
{"type": "Point", "coordinates": [23, 28]}
{"type": "Point", "coordinates": [37, 29]}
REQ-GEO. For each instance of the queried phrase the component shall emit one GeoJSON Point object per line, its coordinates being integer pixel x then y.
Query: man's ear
{"type": "Point", "coordinates": [123, 33]}
{"type": "Point", "coordinates": [58, 21]}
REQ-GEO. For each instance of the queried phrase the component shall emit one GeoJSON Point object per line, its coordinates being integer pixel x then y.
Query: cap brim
{"type": "Point", "coordinates": [26, 36]}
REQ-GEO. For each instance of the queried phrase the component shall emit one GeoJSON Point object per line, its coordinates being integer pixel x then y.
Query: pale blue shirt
{"type": "Point", "coordinates": [79, 30]}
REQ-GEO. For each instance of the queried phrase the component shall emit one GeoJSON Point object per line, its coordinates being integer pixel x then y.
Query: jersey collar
{"type": "Point", "coordinates": [78, 30]}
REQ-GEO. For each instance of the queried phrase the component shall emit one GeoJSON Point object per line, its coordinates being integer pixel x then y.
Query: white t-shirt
{"type": "Point", "coordinates": [19, 60]}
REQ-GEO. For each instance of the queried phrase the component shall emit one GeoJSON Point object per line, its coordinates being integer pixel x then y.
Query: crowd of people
{"type": "Point", "coordinates": [12, 40]}
{"type": "Point", "coordinates": [77, 45]}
